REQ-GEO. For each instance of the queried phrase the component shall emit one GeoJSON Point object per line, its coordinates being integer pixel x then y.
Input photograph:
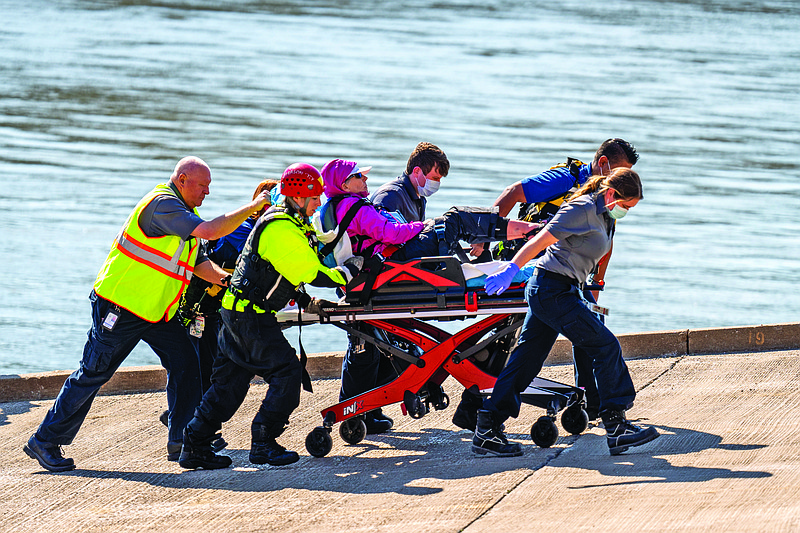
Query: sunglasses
{"type": "Point", "coordinates": [357, 176]}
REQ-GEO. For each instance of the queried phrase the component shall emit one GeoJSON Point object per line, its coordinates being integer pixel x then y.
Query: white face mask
{"type": "Point", "coordinates": [617, 212]}
{"type": "Point", "coordinates": [430, 187]}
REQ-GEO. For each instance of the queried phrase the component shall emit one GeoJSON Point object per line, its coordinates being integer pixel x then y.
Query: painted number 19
{"type": "Point", "coordinates": [758, 338]}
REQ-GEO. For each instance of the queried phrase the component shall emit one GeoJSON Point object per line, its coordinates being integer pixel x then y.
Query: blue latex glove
{"type": "Point", "coordinates": [498, 282]}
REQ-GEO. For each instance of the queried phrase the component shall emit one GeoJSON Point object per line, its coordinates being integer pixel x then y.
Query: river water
{"type": "Point", "coordinates": [99, 99]}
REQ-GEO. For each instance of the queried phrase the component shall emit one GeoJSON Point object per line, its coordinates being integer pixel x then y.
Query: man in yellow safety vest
{"type": "Point", "coordinates": [135, 297]}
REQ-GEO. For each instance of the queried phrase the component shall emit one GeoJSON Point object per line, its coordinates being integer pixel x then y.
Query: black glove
{"type": "Point", "coordinates": [351, 267]}
{"type": "Point", "coordinates": [357, 261]}
{"type": "Point", "coordinates": [316, 307]}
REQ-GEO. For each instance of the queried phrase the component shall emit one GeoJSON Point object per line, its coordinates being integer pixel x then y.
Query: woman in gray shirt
{"type": "Point", "coordinates": [574, 241]}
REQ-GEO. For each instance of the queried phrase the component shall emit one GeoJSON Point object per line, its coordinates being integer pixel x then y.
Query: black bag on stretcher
{"type": "Point", "coordinates": [400, 299]}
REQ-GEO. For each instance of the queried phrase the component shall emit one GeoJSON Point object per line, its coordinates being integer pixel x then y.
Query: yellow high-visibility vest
{"type": "Point", "coordinates": [147, 275]}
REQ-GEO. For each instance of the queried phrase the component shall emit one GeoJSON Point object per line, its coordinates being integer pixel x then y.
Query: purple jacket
{"type": "Point", "coordinates": [368, 221]}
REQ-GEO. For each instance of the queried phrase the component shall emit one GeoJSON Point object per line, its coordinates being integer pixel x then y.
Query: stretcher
{"type": "Point", "coordinates": [399, 300]}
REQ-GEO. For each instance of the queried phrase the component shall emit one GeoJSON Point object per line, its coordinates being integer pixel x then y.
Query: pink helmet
{"type": "Point", "coordinates": [301, 179]}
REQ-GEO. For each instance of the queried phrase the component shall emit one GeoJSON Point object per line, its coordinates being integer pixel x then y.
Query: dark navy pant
{"type": "Point", "coordinates": [360, 365]}
{"type": "Point", "coordinates": [105, 351]}
{"type": "Point", "coordinates": [250, 344]}
{"type": "Point", "coordinates": [207, 347]}
{"type": "Point", "coordinates": [555, 307]}
{"type": "Point", "coordinates": [584, 375]}
{"type": "Point", "coordinates": [472, 224]}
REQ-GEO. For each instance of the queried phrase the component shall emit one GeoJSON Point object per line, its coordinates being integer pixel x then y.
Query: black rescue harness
{"type": "Point", "coordinates": [544, 211]}
{"type": "Point", "coordinates": [255, 279]}
{"type": "Point", "coordinates": [540, 212]}
{"type": "Point", "coordinates": [373, 263]}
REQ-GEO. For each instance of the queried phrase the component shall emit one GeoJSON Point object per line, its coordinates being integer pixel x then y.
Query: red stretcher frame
{"type": "Point", "coordinates": [400, 299]}
{"type": "Point", "coordinates": [444, 354]}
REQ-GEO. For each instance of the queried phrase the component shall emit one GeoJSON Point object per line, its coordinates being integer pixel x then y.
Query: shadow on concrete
{"type": "Point", "coordinates": [648, 464]}
{"type": "Point", "coordinates": [422, 456]}
{"type": "Point", "coordinates": [13, 408]}
{"type": "Point", "coordinates": [404, 463]}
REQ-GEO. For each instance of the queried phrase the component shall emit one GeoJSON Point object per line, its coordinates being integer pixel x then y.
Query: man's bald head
{"type": "Point", "coordinates": [189, 165]}
{"type": "Point", "coordinates": [192, 177]}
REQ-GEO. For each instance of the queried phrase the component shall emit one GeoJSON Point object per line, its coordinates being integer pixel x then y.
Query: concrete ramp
{"type": "Point", "coordinates": [728, 460]}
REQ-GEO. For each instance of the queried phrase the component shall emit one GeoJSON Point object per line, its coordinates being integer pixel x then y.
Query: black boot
{"type": "Point", "coordinates": [621, 434]}
{"type": "Point", "coordinates": [466, 415]}
{"type": "Point", "coordinates": [265, 449]}
{"type": "Point", "coordinates": [218, 443]}
{"type": "Point", "coordinates": [377, 422]}
{"type": "Point", "coordinates": [174, 448]}
{"type": "Point", "coordinates": [489, 438]}
{"type": "Point", "coordinates": [48, 455]}
{"type": "Point", "coordinates": [197, 453]}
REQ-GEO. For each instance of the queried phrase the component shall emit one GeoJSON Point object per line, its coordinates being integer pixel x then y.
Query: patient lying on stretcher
{"type": "Point", "coordinates": [373, 231]}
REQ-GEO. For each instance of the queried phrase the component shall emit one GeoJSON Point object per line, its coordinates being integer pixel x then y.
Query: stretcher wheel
{"type": "Point", "coordinates": [443, 403]}
{"type": "Point", "coordinates": [544, 432]}
{"type": "Point", "coordinates": [416, 408]}
{"type": "Point", "coordinates": [319, 442]}
{"type": "Point", "coordinates": [574, 419]}
{"type": "Point", "coordinates": [353, 430]}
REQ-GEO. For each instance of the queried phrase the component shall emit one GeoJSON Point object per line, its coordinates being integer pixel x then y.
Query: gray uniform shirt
{"type": "Point", "coordinates": [584, 231]}
{"type": "Point", "coordinates": [167, 215]}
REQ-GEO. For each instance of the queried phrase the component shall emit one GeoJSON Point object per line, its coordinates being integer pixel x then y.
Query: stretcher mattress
{"type": "Point", "coordinates": [432, 288]}
{"type": "Point", "coordinates": [428, 288]}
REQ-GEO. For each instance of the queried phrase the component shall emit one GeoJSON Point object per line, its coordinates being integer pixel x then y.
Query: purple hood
{"type": "Point", "coordinates": [368, 222]}
{"type": "Point", "coordinates": [333, 175]}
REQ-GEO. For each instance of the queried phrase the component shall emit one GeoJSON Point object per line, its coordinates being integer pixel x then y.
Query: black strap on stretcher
{"type": "Point", "coordinates": [302, 300]}
{"type": "Point", "coordinates": [414, 360]}
{"type": "Point", "coordinates": [478, 347]}
{"type": "Point", "coordinates": [306, 378]}
{"type": "Point", "coordinates": [444, 246]}
{"type": "Point", "coordinates": [372, 266]}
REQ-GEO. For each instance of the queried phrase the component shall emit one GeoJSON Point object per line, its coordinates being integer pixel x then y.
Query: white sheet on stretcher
{"type": "Point", "coordinates": [477, 270]}
{"type": "Point", "coordinates": [472, 272]}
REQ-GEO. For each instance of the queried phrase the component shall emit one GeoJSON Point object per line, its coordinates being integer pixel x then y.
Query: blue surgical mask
{"type": "Point", "coordinates": [276, 197]}
{"type": "Point", "coordinates": [430, 187]}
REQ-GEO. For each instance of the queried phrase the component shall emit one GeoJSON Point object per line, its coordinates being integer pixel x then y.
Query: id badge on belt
{"type": "Point", "coordinates": [197, 326]}
{"type": "Point", "coordinates": [111, 319]}
{"type": "Point", "coordinates": [594, 308]}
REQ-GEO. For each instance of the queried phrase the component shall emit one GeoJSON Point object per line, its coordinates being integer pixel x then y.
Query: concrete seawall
{"type": "Point", "coordinates": [738, 339]}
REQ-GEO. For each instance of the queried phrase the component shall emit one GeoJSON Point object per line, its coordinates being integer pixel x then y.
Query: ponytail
{"type": "Point", "coordinates": [623, 181]}
{"type": "Point", "coordinates": [265, 185]}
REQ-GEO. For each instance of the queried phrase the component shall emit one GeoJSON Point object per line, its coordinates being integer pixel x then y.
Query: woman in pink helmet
{"type": "Point", "coordinates": [279, 255]}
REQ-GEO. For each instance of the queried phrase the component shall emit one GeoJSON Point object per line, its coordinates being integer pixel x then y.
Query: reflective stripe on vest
{"type": "Point", "coordinates": [147, 275]}
{"type": "Point", "coordinates": [151, 257]}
